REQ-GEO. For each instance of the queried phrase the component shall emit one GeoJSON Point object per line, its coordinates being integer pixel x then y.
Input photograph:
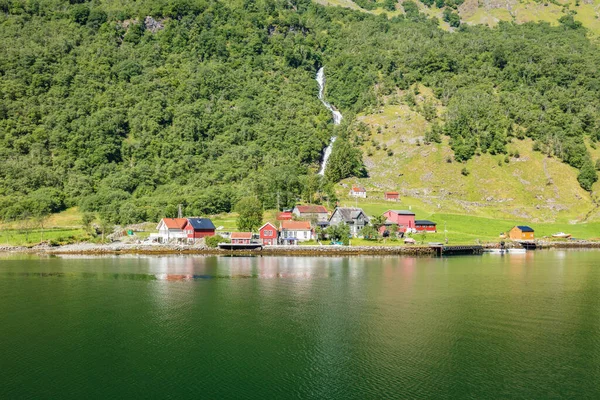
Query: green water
{"type": "Point", "coordinates": [505, 327]}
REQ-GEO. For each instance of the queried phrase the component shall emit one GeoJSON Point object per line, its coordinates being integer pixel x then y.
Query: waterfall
{"type": "Point", "coordinates": [337, 118]}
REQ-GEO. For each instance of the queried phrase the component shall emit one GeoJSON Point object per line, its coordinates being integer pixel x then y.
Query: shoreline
{"type": "Point", "coordinates": [124, 248]}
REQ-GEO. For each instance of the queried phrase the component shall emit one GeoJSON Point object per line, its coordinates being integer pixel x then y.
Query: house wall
{"type": "Point", "coordinates": [240, 241]}
{"type": "Point", "coordinates": [516, 234]}
{"type": "Point", "coordinates": [403, 221]}
{"type": "Point", "coordinates": [201, 233]}
{"type": "Point", "coordinates": [392, 197]}
{"type": "Point", "coordinates": [425, 228]}
{"type": "Point", "coordinates": [358, 194]}
{"type": "Point", "coordinates": [301, 235]}
{"type": "Point", "coordinates": [268, 235]}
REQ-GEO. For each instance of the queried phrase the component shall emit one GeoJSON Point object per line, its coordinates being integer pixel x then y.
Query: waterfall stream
{"type": "Point", "coordinates": [337, 118]}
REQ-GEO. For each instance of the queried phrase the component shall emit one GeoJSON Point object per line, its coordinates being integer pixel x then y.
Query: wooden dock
{"type": "Point", "coordinates": [442, 250]}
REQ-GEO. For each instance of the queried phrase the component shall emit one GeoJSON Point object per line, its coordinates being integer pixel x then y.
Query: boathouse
{"type": "Point", "coordinates": [521, 232]}
{"type": "Point", "coordinates": [241, 237]}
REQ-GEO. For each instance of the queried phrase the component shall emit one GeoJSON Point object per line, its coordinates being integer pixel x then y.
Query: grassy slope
{"type": "Point", "coordinates": [490, 12]}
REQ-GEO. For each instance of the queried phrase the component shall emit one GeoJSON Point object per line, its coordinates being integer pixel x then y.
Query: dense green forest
{"type": "Point", "coordinates": [207, 101]}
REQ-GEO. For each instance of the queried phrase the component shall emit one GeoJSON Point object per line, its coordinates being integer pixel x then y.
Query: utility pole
{"type": "Point", "coordinates": [278, 208]}
{"type": "Point", "coordinates": [179, 212]}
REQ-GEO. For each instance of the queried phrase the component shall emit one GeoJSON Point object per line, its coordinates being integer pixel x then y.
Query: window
{"type": "Point", "coordinates": [268, 233]}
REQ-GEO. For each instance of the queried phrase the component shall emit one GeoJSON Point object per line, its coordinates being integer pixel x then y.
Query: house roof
{"type": "Point", "coordinates": [284, 215]}
{"type": "Point", "coordinates": [241, 235]}
{"type": "Point", "coordinates": [295, 225]}
{"type": "Point", "coordinates": [267, 224]}
{"type": "Point", "coordinates": [402, 212]}
{"type": "Point", "coordinates": [524, 228]}
{"type": "Point", "coordinates": [358, 189]}
{"type": "Point", "coordinates": [175, 223]}
{"type": "Point", "coordinates": [201, 223]}
{"type": "Point", "coordinates": [425, 222]}
{"type": "Point", "coordinates": [349, 214]}
{"type": "Point", "coordinates": [311, 209]}
{"type": "Point", "coordinates": [392, 193]}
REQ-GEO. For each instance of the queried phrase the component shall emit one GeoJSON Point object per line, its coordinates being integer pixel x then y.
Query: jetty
{"type": "Point", "coordinates": [443, 250]}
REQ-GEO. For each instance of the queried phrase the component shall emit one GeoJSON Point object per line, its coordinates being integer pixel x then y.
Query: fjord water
{"type": "Point", "coordinates": [518, 326]}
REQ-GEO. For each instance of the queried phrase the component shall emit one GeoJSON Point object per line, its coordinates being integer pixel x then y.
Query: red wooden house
{"type": "Point", "coordinates": [241, 237]}
{"type": "Point", "coordinates": [268, 234]}
{"type": "Point", "coordinates": [404, 219]}
{"type": "Point", "coordinates": [197, 228]}
{"type": "Point", "coordinates": [392, 196]}
{"type": "Point", "coordinates": [285, 216]}
{"type": "Point", "coordinates": [423, 225]}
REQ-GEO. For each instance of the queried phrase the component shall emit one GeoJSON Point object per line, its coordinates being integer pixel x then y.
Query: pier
{"type": "Point", "coordinates": [442, 250]}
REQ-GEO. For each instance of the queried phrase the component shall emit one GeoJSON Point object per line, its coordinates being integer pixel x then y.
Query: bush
{"type": "Point", "coordinates": [390, 152]}
{"type": "Point", "coordinates": [465, 171]}
{"type": "Point", "coordinates": [213, 241]}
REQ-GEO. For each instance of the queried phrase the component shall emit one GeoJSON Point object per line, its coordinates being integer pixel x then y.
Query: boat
{"type": "Point", "coordinates": [506, 251]}
{"type": "Point", "coordinates": [562, 235]}
{"type": "Point", "coordinates": [517, 251]}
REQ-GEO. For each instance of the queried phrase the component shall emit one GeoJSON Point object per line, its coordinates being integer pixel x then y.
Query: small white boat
{"type": "Point", "coordinates": [517, 251]}
{"type": "Point", "coordinates": [506, 251]}
{"type": "Point", "coordinates": [495, 251]}
{"type": "Point", "coordinates": [561, 235]}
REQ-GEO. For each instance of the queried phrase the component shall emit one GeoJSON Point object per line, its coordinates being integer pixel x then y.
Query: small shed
{"type": "Point", "coordinates": [392, 196]}
{"type": "Point", "coordinates": [521, 232]}
{"type": "Point", "coordinates": [423, 225]}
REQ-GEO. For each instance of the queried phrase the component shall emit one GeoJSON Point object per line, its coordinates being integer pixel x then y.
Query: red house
{"type": "Point", "coordinates": [197, 228]}
{"type": "Point", "coordinates": [392, 196]}
{"type": "Point", "coordinates": [423, 225]}
{"type": "Point", "coordinates": [404, 219]}
{"type": "Point", "coordinates": [241, 237]}
{"type": "Point", "coordinates": [268, 234]}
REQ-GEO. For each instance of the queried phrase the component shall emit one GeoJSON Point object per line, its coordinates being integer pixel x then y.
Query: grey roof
{"type": "Point", "coordinates": [524, 228]}
{"type": "Point", "coordinates": [403, 212]}
{"type": "Point", "coordinates": [349, 214]}
{"type": "Point", "coordinates": [201, 223]}
{"type": "Point", "coordinates": [425, 222]}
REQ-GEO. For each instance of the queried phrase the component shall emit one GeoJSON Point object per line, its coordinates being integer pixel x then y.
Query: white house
{"type": "Point", "coordinates": [293, 232]}
{"type": "Point", "coordinates": [311, 213]}
{"type": "Point", "coordinates": [358, 191]}
{"type": "Point", "coordinates": [171, 229]}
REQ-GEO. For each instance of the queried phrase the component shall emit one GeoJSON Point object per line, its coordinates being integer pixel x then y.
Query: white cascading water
{"type": "Point", "coordinates": [337, 118]}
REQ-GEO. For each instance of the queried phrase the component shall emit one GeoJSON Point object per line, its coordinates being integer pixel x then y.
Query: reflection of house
{"type": "Point", "coordinates": [521, 232]}
{"type": "Point", "coordinates": [391, 196]}
{"type": "Point", "coordinates": [311, 213]}
{"type": "Point", "coordinates": [423, 225]}
{"type": "Point", "coordinates": [355, 218]}
{"type": "Point", "coordinates": [404, 219]}
{"type": "Point", "coordinates": [268, 234]}
{"type": "Point", "coordinates": [171, 229]}
{"type": "Point", "coordinates": [293, 232]}
{"type": "Point", "coordinates": [241, 237]}
{"type": "Point", "coordinates": [197, 228]}
{"type": "Point", "coordinates": [358, 191]}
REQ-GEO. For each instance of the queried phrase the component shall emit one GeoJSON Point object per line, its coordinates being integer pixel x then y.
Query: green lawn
{"type": "Point", "coordinates": [22, 237]}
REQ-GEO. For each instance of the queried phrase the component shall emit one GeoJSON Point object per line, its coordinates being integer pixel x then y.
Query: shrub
{"type": "Point", "coordinates": [465, 171]}
{"type": "Point", "coordinates": [390, 152]}
{"type": "Point", "coordinates": [213, 241]}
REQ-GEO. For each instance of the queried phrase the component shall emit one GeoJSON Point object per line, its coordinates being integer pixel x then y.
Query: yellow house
{"type": "Point", "coordinates": [521, 232]}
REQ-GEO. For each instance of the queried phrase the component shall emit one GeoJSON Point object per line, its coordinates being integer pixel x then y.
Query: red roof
{"type": "Point", "coordinates": [175, 223]}
{"type": "Point", "coordinates": [295, 225]}
{"type": "Point", "coordinates": [286, 215]}
{"type": "Point", "coordinates": [392, 193]}
{"type": "Point", "coordinates": [311, 209]}
{"type": "Point", "coordinates": [268, 224]}
{"type": "Point", "coordinates": [358, 189]}
{"type": "Point", "coordinates": [241, 235]}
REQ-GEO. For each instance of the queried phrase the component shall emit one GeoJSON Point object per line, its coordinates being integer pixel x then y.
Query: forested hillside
{"type": "Point", "coordinates": [130, 108]}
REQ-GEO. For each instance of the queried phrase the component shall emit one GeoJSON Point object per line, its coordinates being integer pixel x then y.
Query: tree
{"type": "Point", "coordinates": [369, 232]}
{"type": "Point", "coordinates": [86, 221]}
{"type": "Point", "coordinates": [390, 5]}
{"type": "Point", "coordinates": [587, 176]}
{"type": "Point", "coordinates": [339, 233]}
{"type": "Point", "coordinates": [250, 214]}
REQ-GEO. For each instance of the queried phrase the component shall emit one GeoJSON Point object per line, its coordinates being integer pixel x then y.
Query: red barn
{"type": "Point", "coordinates": [404, 219]}
{"type": "Point", "coordinates": [423, 225]}
{"type": "Point", "coordinates": [268, 234]}
{"type": "Point", "coordinates": [241, 237]}
{"type": "Point", "coordinates": [392, 196]}
{"type": "Point", "coordinates": [197, 228]}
